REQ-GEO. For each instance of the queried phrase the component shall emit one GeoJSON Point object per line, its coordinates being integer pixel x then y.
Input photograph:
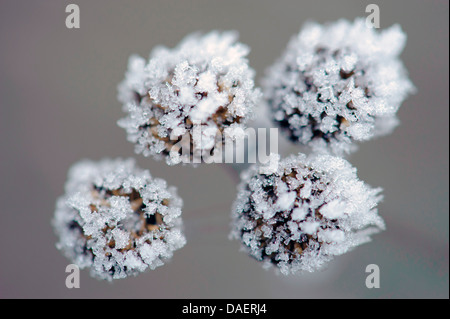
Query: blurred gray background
{"type": "Point", "coordinates": [58, 105]}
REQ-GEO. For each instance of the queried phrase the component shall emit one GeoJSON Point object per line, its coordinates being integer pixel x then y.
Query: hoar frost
{"type": "Point", "coordinates": [204, 84]}
{"type": "Point", "coordinates": [117, 220]}
{"type": "Point", "coordinates": [338, 83]}
{"type": "Point", "coordinates": [299, 216]}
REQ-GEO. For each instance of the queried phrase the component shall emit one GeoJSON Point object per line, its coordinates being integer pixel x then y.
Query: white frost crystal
{"type": "Point", "coordinates": [338, 83]}
{"type": "Point", "coordinates": [301, 215]}
{"type": "Point", "coordinates": [117, 220]}
{"type": "Point", "coordinates": [203, 84]}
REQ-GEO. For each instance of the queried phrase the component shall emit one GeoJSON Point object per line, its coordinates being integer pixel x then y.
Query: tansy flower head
{"type": "Point", "coordinates": [338, 83]}
{"type": "Point", "coordinates": [117, 220]}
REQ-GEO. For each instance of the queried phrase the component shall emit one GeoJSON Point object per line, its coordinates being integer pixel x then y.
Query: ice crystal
{"type": "Point", "coordinates": [203, 83]}
{"type": "Point", "coordinates": [300, 215]}
{"type": "Point", "coordinates": [117, 220]}
{"type": "Point", "coordinates": [338, 83]}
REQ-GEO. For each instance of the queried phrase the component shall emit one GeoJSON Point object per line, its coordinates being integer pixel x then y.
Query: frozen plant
{"type": "Point", "coordinates": [298, 215]}
{"type": "Point", "coordinates": [338, 83]}
{"type": "Point", "coordinates": [204, 84]}
{"type": "Point", "coordinates": [117, 220]}
{"type": "Point", "coordinates": [334, 84]}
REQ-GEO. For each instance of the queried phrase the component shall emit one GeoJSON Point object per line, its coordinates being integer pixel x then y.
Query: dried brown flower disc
{"type": "Point", "coordinates": [117, 220]}
{"type": "Point", "coordinates": [300, 214]}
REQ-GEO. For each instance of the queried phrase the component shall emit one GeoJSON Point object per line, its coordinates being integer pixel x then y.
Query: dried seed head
{"type": "Point", "coordinates": [338, 83]}
{"type": "Point", "coordinates": [117, 220]}
{"type": "Point", "coordinates": [299, 215]}
{"type": "Point", "coordinates": [205, 82]}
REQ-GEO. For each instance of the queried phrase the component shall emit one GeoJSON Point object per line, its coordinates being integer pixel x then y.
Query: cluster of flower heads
{"type": "Point", "coordinates": [338, 83]}
{"type": "Point", "coordinates": [335, 84]}
{"type": "Point", "coordinates": [204, 82]}
{"type": "Point", "coordinates": [117, 220]}
{"type": "Point", "coordinates": [297, 215]}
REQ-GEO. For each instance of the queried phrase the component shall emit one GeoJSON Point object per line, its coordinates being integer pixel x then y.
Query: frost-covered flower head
{"type": "Point", "coordinates": [338, 83]}
{"type": "Point", "coordinates": [299, 215]}
{"type": "Point", "coordinates": [117, 220]}
{"type": "Point", "coordinates": [204, 83]}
